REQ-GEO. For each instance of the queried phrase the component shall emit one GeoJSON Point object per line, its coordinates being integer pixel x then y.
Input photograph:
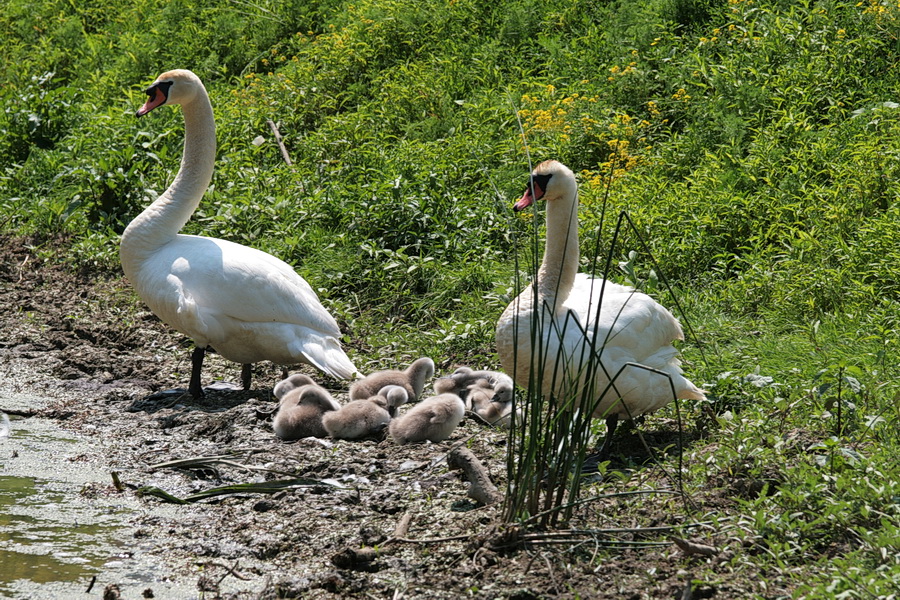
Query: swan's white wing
{"type": "Point", "coordinates": [632, 329]}
{"type": "Point", "coordinates": [246, 304]}
{"type": "Point", "coordinates": [629, 328]}
{"type": "Point", "coordinates": [627, 318]}
{"type": "Point", "coordinates": [245, 284]}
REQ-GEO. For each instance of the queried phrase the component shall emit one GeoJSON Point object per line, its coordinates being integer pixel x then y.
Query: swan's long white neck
{"type": "Point", "coordinates": [160, 222]}
{"type": "Point", "coordinates": [560, 265]}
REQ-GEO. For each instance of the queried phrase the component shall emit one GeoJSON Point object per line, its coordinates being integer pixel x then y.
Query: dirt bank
{"type": "Point", "coordinates": [86, 342]}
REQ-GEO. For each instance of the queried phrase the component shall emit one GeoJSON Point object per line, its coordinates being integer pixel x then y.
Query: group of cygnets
{"type": "Point", "coordinates": [307, 409]}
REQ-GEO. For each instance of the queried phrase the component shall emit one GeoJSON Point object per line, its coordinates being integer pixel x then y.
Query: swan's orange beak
{"type": "Point", "coordinates": [157, 98]}
{"type": "Point", "coordinates": [527, 198]}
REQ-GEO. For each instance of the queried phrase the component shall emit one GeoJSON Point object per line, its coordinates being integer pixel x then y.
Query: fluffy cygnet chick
{"type": "Point", "coordinates": [412, 380]}
{"type": "Point", "coordinates": [492, 403]}
{"type": "Point", "coordinates": [291, 383]}
{"type": "Point", "coordinates": [358, 419]}
{"type": "Point", "coordinates": [394, 396]}
{"type": "Point", "coordinates": [300, 412]}
{"type": "Point", "coordinates": [459, 381]}
{"type": "Point", "coordinates": [432, 419]}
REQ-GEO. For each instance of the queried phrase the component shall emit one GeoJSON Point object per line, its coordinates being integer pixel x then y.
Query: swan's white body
{"type": "Point", "coordinates": [245, 304]}
{"type": "Point", "coordinates": [630, 327]}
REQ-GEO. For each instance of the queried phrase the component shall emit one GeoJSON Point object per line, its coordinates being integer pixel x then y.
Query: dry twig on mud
{"type": "Point", "coordinates": [204, 462]}
{"type": "Point", "coordinates": [691, 548]}
{"type": "Point", "coordinates": [481, 489]}
{"type": "Point", "coordinates": [232, 570]}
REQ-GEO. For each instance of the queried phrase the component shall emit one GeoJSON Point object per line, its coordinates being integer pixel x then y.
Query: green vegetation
{"type": "Point", "coordinates": [752, 142]}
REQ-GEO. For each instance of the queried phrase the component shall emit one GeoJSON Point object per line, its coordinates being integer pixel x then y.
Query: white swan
{"type": "Point", "coordinates": [245, 304]}
{"type": "Point", "coordinates": [631, 328]}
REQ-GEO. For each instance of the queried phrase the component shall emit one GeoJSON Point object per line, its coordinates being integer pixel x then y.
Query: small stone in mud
{"type": "Point", "coordinates": [264, 505]}
{"type": "Point", "coordinates": [112, 592]}
{"type": "Point", "coordinates": [359, 559]}
{"type": "Point", "coordinates": [370, 536]}
{"type": "Point", "coordinates": [332, 582]}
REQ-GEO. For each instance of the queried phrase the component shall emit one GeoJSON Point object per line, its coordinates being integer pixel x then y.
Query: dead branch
{"type": "Point", "coordinates": [691, 548]}
{"type": "Point", "coordinates": [205, 462]}
{"type": "Point", "coordinates": [449, 538]}
{"type": "Point", "coordinates": [402, 527]}
{"type": "Point", "coordinates": [481, 489]}
{"type": "Point", "coordinates": [361, 559]}
{"type": "Point", "coordinates": [117, 482]}
{"type": "Point", "coordinates": [22, 270]}
{"type": "Point", "coordinates": [228, 570]}
{"type": "Point", "coordinates": [354, 558]}
{"type": "Point", "coordinates": [688, 592]}
{"type": "Point", "coordinates": [280, 141]}
{"type": "Point", "coordinates": [16, 412]}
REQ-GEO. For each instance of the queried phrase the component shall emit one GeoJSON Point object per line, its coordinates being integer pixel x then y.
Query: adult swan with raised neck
{"type": "Point", "coordinates": [243, 303]}
{"type": "Point", "coordinates": [546, 340]}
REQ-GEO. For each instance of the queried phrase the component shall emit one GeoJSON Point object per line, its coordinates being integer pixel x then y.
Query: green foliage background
{"type": "Point", "coordinates": [752, 142]}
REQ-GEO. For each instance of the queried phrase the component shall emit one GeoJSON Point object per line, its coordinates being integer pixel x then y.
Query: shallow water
{"type": "Point", "coordinates": [62, 524]}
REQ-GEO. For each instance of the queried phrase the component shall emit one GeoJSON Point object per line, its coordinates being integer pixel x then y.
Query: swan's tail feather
{"type": "Point", "coordinates": [692, 392]}
{"type": "Point", "coordinates": [331, 360]}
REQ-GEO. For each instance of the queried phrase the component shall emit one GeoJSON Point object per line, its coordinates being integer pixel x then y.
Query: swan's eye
{"type": "Point", "coordinates": [162, 86]}
{"type": "Point", "coordinates": [541, 181]}
{"type": "Point", "coordinates": [538, 185]}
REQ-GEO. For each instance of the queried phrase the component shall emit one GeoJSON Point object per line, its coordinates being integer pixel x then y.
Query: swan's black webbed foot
{"type": "Point", "coordinates": [246, 376]}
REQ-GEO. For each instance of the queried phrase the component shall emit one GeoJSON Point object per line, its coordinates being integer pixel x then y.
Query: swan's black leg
{"type": "Point", "coordinates": [246, 376]}
{"type": "Point", "coordinates": [595, 458]}
{"type": "Point", "coordinates": [611, 423]}
{"type": "Point", "coordinates": [195, 389]}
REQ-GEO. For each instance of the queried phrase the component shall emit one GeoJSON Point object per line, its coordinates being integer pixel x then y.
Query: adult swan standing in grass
{"type": "Point", "coordinates": [245, 304]}
{"type": "Point", "coordinates": [629, 327]}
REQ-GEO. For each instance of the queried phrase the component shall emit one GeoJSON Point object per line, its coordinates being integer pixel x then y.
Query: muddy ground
{"type": "Point", "coordinates": [88, 343]}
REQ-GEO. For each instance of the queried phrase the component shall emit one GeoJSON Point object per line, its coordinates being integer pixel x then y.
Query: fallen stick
{"type": "Point", "coordinates": [402, 527]}
{"type": "Point", "coordinates": [16, 412]}
{"type": "Point", "coordinates": [689, 547]}
{"type": "Point", "coordinates": [228, 570]}
{"type": "Point", "coordinates": [280, 141]}
{"type": "Point", "coordinates": [362, 559]}
{"type": "Point", "coordinates": [481, 489]}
